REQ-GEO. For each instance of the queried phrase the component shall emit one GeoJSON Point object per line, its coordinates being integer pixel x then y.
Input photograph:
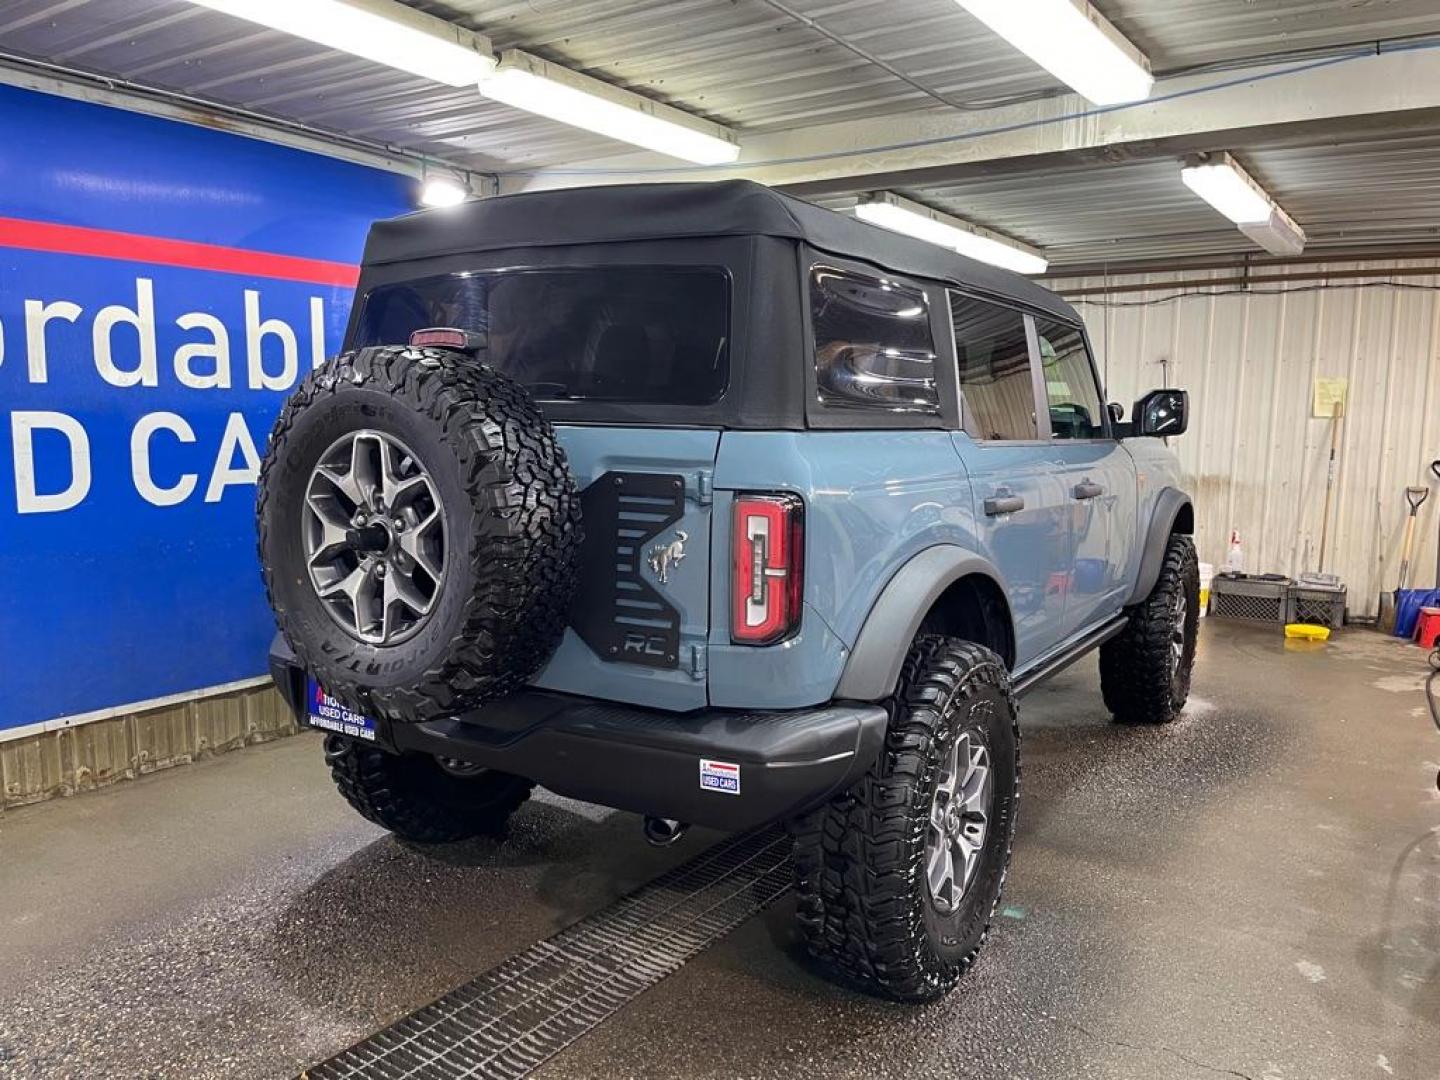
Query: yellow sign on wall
{"type": "Point", "coordinates": [1329, 396]}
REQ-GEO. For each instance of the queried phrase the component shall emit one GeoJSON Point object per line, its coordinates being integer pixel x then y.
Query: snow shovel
{"type": "Point", "coordinates": [1415, 497]}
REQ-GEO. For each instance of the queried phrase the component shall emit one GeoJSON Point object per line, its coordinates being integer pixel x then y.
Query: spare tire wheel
{"type": "Point", "coordinates": [419, 531]}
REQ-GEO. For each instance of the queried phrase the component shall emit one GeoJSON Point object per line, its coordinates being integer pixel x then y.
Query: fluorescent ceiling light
{"type": "Point", "coordinates": [1229, 189]}
{"type": "Point", "coordinates": [443, 191]}
{"type": "Point", "coordinates": [380, 30]}
{"type": "Point", "coordinates": [901, 215]}
{"type": "Point", "coordinates": [1072, 41]}
{"type": "Point", "coordinates": [1221, 182]}
{"type": "Point", "coordinates": [1279, 235]}
{"type": "Point", "coordinates": [532, 84]}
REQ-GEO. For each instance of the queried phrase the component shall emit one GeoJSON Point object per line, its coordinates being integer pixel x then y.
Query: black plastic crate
{"type": "Point", "coordinates": [1316, 601]}
{"type": "Point", "coordinates": [1250, 597]}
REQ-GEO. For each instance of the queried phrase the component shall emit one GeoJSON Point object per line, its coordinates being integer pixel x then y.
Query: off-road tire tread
{"type": "Point", "coordinates": [524, 566]}
{"type": "Point", "coordinates": [378, 785]}
{"type": "Point", "coordinates": [1135, 664]}
{"type": "Point", "coordinates": [859, 908]}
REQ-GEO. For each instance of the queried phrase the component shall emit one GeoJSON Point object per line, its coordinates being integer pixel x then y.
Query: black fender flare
{"type": "Point", "coordinates": [872, 670]}
{"type": "Point", "coordinates": [1168, 507]}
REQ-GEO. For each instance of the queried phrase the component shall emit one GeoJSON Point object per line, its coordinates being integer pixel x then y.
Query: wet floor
{"type": "Point", "coordinates": [1253, 891]}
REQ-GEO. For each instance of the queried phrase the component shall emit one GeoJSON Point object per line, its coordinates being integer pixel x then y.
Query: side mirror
{"type": "Point", "coordinates": [1162, 412]}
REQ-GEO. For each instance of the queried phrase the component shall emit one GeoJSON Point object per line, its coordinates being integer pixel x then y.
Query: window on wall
{"type": "Point", "coordinates": [1076, 411]}
{"type": "Point", "coordinates": [873, 345]}
{"type": "Point", "coordinates": [994, 362]}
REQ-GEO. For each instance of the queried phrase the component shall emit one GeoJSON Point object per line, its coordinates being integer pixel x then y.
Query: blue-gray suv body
{"type": "Point", "coordinates": [703, 502]}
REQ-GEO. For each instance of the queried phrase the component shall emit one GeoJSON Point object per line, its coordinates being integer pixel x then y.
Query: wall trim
{"type": "Point", "coordinates": [62, 722]}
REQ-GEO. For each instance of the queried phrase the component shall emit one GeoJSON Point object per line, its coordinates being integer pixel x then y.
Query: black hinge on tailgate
{"type": "Point", "coordinates": [616, 612]}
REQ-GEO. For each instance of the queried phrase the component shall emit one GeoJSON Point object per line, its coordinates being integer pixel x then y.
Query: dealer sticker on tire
{"type": "Point", "coordinates": [721, 776]}
{"type": "Point", "coordinates": [323, 711]}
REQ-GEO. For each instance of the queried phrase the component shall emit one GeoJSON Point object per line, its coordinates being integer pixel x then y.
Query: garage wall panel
{"type": "Point", "coordinates": [1255, 456]}
{"type": "Point", "coordinates": [162, 288]}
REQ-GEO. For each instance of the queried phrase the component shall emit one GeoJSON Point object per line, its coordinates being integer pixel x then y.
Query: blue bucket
{"type": "Point", "coordinates": [1407, 609]}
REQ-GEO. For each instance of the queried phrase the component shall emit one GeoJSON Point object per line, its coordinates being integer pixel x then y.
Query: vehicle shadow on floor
{"type": "Point", "coordinates": [397, 924]}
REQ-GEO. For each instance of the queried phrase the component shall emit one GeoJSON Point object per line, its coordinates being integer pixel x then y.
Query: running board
{"type": "Point", "coordinates": [1093, 640]}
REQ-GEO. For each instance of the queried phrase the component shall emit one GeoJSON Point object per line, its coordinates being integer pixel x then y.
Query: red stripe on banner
{"type": "Point", "coordinates": [133, 247]}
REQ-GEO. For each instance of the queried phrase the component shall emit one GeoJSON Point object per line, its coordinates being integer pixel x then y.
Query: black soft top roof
{"type": "Point", "coordinates": [631, 212]}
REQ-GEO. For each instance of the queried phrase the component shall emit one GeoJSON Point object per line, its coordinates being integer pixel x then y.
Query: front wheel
{"type": "Point", "coordinates": [899, 877]}
{"type": "Point", "coordinates": [1145, 669]}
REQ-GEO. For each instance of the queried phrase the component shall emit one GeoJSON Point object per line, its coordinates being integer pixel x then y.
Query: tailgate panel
{"type": "Point", "coordinates": [633, 637]}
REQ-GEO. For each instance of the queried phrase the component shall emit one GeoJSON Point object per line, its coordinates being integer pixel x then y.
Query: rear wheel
{"type": "Point", "coordinates": [899, 877]}
{"type": "Point", "coordinates": [1145, 669]}
{"type": "Point", "coordinates": [421, 798]}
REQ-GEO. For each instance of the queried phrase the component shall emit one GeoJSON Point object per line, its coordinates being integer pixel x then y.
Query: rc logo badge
{"type": "Point", "coordinates": [664, 558]}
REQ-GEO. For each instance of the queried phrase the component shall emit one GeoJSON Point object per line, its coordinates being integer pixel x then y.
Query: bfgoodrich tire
{"type": "Point", "coordinates": [419, 531]}
{"type": "Point", "coordinates": [418, 798]}
{"type": "Point", "coordinates": [1145, 669]}
{"type": "Point", "coordinates": [876, 903]}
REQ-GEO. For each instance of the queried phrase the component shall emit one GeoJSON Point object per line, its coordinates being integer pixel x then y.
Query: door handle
{"type": "Point", "coordinates": [1087, 490]}
{"type": "Point", "coordinates": [1003, 504]}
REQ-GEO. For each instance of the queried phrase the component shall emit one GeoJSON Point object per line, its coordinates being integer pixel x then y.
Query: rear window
{"type": "Point", "coordinates": [873, 345]}
{"type": "Point", "coordinates": [654, 335]}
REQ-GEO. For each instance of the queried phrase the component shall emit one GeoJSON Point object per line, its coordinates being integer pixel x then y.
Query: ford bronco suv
{"type": "Point", "coordinates": [700, 501]}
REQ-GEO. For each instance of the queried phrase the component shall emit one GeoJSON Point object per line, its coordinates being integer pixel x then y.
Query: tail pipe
{"type": "Point", "coordinates": [662, 832]}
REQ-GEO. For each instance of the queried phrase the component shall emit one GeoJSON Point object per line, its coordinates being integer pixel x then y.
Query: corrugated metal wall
{"type": "Point", "coordinates": [1256, 456]}
{"type": "Point", "coordinates": [91, 755]}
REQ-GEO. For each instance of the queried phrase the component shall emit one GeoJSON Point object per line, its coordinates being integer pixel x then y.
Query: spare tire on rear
{"type": "Point", "coordinates": [419, 531]}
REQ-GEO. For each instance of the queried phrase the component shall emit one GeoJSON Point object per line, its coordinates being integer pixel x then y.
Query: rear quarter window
{"type": "Point", "coordinates": [646, 335]}
{"type": "Point", "coordinates": [874, 348]}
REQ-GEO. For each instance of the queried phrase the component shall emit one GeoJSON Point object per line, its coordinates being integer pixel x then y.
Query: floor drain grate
{"type": "Point", "coordinates": [522, 1012]}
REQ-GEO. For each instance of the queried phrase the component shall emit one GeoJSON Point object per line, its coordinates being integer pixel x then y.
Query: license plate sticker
{"type": "Point", "coordinates": [323, 711]}
{"type": "Point", "coordinates": [721, 776]}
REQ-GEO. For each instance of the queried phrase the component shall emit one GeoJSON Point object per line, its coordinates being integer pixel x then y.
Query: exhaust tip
{"type": "Point", "coordinates": [662, 832]}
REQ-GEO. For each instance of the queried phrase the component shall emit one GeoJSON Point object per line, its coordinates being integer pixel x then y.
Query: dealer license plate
{"type": "Point", "coordinates": [323, 711]}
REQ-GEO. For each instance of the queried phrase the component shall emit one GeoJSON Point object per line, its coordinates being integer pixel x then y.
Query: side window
{"type": "Point", "coordinates": [994, 363]}
{"type": "Point", "coordinates": [873, 346]}
{"type": "Point", "coordinates": [1076, 411]}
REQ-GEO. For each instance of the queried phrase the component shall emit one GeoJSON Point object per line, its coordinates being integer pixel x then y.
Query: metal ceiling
{"type": "Point", "coordinates": [754, 64]}
{"type": "Point", "coordinates": [1385, 191]}
{"type": "Point", "coordinates": [764, 65]}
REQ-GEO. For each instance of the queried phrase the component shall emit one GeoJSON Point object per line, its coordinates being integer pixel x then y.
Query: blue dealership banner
{"type": "Point", "coordinates": [162, 288]}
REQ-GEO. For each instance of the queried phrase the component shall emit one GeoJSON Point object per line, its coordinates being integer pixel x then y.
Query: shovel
{"type": "Point", "coordinates": [1415, 497]}
{"type": "Point", "coordinates": [1435, 468]}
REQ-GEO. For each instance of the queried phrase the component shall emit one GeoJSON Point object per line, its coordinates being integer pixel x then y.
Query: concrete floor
{"type": "Point", "coordinates": [1253, 891]}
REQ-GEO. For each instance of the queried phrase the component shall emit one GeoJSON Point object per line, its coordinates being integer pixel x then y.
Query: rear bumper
{"type": "Point", "coordinates": [645, 760]}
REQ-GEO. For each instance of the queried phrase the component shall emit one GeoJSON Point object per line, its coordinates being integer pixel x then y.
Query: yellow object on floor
{"type": "Point", "coordinates": [1306, 632]}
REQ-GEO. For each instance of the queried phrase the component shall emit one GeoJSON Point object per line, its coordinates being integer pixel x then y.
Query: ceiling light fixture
{"type": "Point", "coordinates": [1221, 182]}
{"type": "Point", "coordinates": [529, 83]}
{"type": "Point", "coordinates": [1228, 188]}
{"type": "Point", "coordinates": [1072, 41]}
{"type": "Point", "coordinates": [442, 191]}
{"type": "Point", "coordinates": [380, 30]}
{"type": "Point", "coordinates": [902, 215]}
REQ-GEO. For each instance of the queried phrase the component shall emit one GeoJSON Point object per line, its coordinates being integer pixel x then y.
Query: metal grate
{"type": "Point", "coordinates": [519, 1014]}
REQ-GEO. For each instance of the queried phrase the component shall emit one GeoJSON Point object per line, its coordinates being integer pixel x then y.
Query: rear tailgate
{"type": "Point", "coordinates": [640, 619]}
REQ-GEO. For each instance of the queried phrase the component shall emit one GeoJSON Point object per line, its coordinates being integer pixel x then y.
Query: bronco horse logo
{"type": "Point", "coordinates": [665, 557]}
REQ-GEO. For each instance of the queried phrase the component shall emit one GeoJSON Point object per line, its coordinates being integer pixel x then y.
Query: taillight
{"type": "Point", "coordinates": [447, 337]}
{"type": "Point", "coordinates": [768, 581]}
